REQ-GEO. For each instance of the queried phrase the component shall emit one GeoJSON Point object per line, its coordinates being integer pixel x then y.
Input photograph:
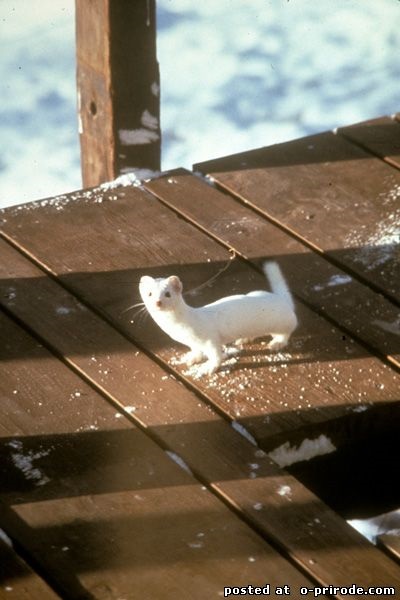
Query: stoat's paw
{"type": "Point", "coordinates": [193, 358]}
{"type": "Point", "coordinates": [230, 352]}
{"type": "Point", "coordinates": [189, 359]}
{"type": "Point", "coordinates": [208, 368]}
{"type": "Point", "coordinates": [242, 341]}
{"type": "Point", "coordinates": [277, 343]}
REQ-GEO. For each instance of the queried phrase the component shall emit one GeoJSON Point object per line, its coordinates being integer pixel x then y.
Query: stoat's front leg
{"type": "Point", "coordinates": [193, 357]}
{"type": "Point", "coordinates": [278, 342]}
{"type": "Point", "coordinates": [215, 356]}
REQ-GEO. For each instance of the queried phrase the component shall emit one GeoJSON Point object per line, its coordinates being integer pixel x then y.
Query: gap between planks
{"type": "Point", "coordinates": [351, 135]}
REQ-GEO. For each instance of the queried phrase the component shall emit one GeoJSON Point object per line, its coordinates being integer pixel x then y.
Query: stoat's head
{"type": "Point", "coordinates": [160, 294]}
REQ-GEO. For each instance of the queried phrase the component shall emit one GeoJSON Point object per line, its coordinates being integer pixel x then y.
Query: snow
{"type": "Point", "coordinates": [287, 455]}
{"type": "Point", "coordinates": [243, 432]}
{"type": "Point", "coordinates": [379, 525]}
{"type": "Point", "coordinates": [335, 280]}
{"type": "Point", "coordinates": [235, 75]}
{"type": "Point", "coordinates": [24, 462]}
{"type": "Point", "coordinates": [393, 327]}
{"type": "Point", "coordinates": [260, 72]}
{"type": "Point", "coordinates": [4, 537]}
{"type": "Point", "coordinates": [136, 177]}
{"type": "Point", "coordinates": [179, 461]}
{"type": "Point", "coordinates": [39, 153]}
{"type": "Point", "coordinates": [63, 310]}
{"type": "Point", "coordinates": [380, 247]}
{"type": "Point", "coordinates": [285, 490]}
{"type": "Point", "coordinates": [132, 137]}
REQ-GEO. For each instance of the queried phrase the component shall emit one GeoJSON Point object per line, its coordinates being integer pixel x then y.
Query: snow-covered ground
{"type": "Point", "coordinates": [235, 75]}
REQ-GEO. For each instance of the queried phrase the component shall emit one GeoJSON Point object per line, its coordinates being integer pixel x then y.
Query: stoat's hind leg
{"type": "Point", "coordinates": [242, 341]}
{"type": "Point", "coordinates": [229, 352]}
{"type": "Point", "coordinates": [278, 341]}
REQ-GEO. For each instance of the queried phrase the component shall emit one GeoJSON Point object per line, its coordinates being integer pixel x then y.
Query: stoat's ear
{"type": "Point", "coordinates": [176, 283]}
{"type": "Point", "coordinates": [146, 281]}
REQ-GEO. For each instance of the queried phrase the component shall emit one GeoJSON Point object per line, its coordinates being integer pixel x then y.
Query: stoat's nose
{"type": "Point", "coordinates": [158, 303]}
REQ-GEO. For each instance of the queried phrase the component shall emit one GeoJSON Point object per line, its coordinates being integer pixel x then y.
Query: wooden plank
{"type": "Point", "coordinates": [18, 580]}
{"type": "Point", "coordinates": [380, 136]}
{"type": "Point", "coordinates": [323, 374]}
{"type": "Point", "coordinates": [118, 87]}
{"type": "Point", "coordinates": [313, 279]}
{"type": "Point", "coordinates": [391, 543]}
{"type": "Point", "coordinates": [310, 184]}
{"type": "Point", "coordinates": [101, 507]}
{"type": "Point", "coordinates": [226, 461]}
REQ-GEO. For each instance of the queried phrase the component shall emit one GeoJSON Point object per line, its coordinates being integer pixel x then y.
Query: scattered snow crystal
{"type": "Point", "coordinates": [393, 327]}
{"type": "Point", "coordinates": [134, 177]}
{"type": "Point", "coordinates": [284, 490]}
{"type": "Point", "coordinates": [339, 279]}
{"type": "Point", "coordinates": [24, 462]}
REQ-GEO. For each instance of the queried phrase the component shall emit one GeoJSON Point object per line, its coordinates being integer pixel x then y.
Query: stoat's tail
{"type": "Point", "coordinates": [277, 281]}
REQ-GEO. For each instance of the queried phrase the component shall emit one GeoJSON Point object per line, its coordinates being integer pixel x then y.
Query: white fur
{"type": "Point", "coordinates": [205, 330]}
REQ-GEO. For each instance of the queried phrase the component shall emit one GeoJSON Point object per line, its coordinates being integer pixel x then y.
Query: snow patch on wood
{"type": "Point", "coordinates": [287, 455]}
{"type": "Point", "coordinates": [24, 462]}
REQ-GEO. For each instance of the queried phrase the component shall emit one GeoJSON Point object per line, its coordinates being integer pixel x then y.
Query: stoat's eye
{"type": "Point", "coordinates": [167, 294]}
{"type": "Point", "coordinates": [150, 294]}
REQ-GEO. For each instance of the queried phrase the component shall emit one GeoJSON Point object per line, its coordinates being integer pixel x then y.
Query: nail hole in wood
{"type": "Point", "coordinates": [93, 108]}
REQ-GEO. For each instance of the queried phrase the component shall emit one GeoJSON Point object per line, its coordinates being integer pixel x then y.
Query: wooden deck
{"type": "Point", "coordinates": [123, 475]}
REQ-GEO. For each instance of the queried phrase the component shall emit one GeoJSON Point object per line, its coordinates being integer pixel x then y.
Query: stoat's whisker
{"type": "Point", "coordinates": [131, 307]}
{"type": "Point", "coordinates": [140, 315]}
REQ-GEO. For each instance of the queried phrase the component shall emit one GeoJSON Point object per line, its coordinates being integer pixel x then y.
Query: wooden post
{"type": "Point", "coordinates": [118, 87]}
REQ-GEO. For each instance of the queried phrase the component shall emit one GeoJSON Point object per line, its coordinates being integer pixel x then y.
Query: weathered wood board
{"type": "Point", "coordinates": [336, 197]}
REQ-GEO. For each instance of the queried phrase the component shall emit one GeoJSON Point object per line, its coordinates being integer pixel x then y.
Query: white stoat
{"type": "Point", "coordinates": [205, 330]}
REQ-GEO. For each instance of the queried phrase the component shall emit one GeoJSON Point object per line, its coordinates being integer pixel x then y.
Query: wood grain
{"type": "Point", "coordinates": [328, 193]}
{"type": "Point", "coordinates": [380, 136]}
{"type": "Point", "coordinates": [18, 580]}
{"type": "Point", "coordinates": [391, 543]}
{"type": "Point", "coordinates": [118, 87]}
